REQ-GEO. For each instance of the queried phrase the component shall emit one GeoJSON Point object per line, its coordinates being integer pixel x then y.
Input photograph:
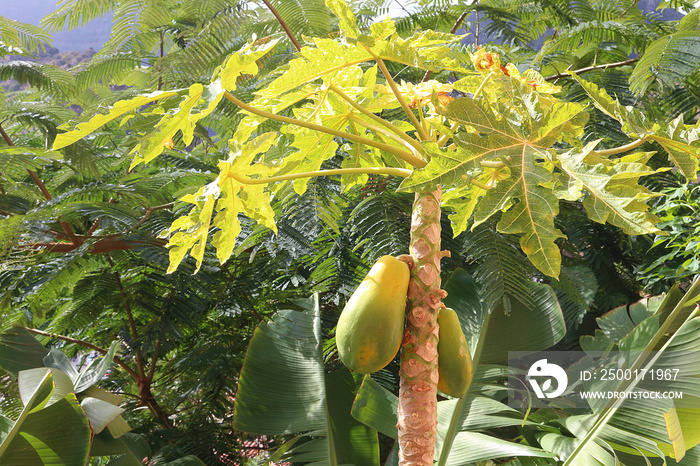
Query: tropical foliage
{"type": "Point", "coordinates": [197, 149]}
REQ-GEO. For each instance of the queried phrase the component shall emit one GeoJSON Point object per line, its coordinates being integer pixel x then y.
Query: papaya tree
{"type": "Point", "coordinates": [495, 143]}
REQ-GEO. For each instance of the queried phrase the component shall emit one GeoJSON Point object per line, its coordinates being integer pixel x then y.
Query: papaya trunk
{"type": "Point", "coordinates": [417, 411]}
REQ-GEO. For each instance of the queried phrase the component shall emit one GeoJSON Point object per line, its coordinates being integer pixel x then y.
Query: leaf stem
{"type": "Point", "coordinates": [402, 154]}
{"type": "Point", "coordinates": [446, 137]}
{"type": "Point", "coordinates": [621, 149]}
{"type": "Point", "coordinates": [605, 66]}
{"type": "Point", "coordinates": [402, 172]}
{"type": "Point", "coordinates": [377, 119]}
{"type": "Point", "coordinates": [119, 361]}
{"type": "Point", "coordinates": [283, 23]}
{"type": "Point", "coordinates": [481, 86]}
{"type": "Point", "coordinates": [395, 89]}
{"type": "Point", "coordinates": [379, 129]}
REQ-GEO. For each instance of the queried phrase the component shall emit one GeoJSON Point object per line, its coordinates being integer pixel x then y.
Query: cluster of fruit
{"type": "Point", "coordinates": [371, 327]}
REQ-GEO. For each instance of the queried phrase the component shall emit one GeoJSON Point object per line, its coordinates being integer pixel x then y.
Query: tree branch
{"type": "Point", "coordinates": [428, 74]}
{"type": "Point", "coordinates": [39, 183]}
{"type": "Point", "coordinates": [284, 24]}
{"type": "Point", "coordinates": [130, 318]}
{"type": "Point", "coordinates": [591, 68]}
{"type": "Point", "coordinates": [100, 247]}
{"type": "Point", "coordinates": [119, 361]}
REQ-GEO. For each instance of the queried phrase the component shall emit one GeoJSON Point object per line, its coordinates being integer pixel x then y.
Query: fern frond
{"type": "Point", "coordinates": [107, 69]}
{"type": "Point", "coordinates": [500, 267]}
{"type": "Point", "coordinates": [21, 38]}
{"type": "Point", "coordinates": [75, 13]}
{"type": "Point", "coordinates": [309, 17]}
{"type": "Point", "coordinates": [667, 61]}
{"type": "Point", "coordinates": [48, 78]}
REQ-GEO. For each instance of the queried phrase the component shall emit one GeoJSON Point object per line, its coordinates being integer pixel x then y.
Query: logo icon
{"type": "Point", "coordinates": [543, 369]}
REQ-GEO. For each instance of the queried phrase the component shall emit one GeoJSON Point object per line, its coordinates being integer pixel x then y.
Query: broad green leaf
{"type": "Point", "coordinates": [99, 412]}
{"type": "Point", "coordinates": [30, 380]}
{"type": "Point", "coordinates": [675, 433]}
{"type": "Point", "coordinates": [189, 460]}
{"type": "Point", "coordinates": [524, 328]}
{"type": "Point", "coordinates": [646, 417]}
{"type": "Point", "coordinates": [283, 389]}
{"type": "Point", "coordinates": [19, 351]}
{"type": "Point", "coordinates": [354, 443]}
{"type": "Point", "coordinates": [470, 447]}
{"type": "Point", "coordinates": [376, 407]}
{"type": "Point", "coordinates": [96, 369]}
{"type": "Point", "coordinates": [132, 446]}
{"type": "Point", "coordinates": [99, 120]}
{"type": "Point", "coordinates": [58, 433]}
{"type": "Point", "coordinates": [60, 361]}
{"type": "Point", "coordinates": [490, 336]}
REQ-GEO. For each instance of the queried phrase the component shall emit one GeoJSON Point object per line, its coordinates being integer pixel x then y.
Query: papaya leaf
{"type": "Point", "coordinates": [633, 121]}
{"type": "Point", "coordinates": [51, 429]}
{"type": "Point", "coordinates": [520, 138]}
{"type": "Point", "coordinates": [243, 62]}
{"type": "Point", "coordinates": [680, 141]}
{"type": "Point", "coordinates": [346, 18]}
{"type": "Point", "coordinates": [613, 194]}
{"type": "Point", "coordinates": [183, 119]}
{"type": "Point", "coordinates": [99, 120]}
{"type": "Point", "coordinates": [219, 203]}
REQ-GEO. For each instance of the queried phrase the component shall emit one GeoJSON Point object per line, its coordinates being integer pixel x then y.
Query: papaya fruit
{"type": "Point", "coordinates": [454, 358]}
{"type": "Point", "coordinates": [370, 328]}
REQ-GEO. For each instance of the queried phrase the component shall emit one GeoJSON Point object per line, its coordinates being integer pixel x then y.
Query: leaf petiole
{"type": "Point", "coordinates": [402, 154]}
{"type": "Point", "coordinates": [377, 119]}
{"type": "Point", "coordinates": [402, 172]}
{"type": "Point", "coordinates": [621, 149]}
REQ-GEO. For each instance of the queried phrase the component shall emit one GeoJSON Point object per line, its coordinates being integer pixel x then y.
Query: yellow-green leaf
{"type": "Point", "coordinates": [99, 120]}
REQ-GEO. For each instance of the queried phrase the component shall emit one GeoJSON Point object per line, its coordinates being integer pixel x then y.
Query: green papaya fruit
{"type": "Point", "coordinates": [370, 328]}
{"type": "Point", "coordinates": [454, 358]}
